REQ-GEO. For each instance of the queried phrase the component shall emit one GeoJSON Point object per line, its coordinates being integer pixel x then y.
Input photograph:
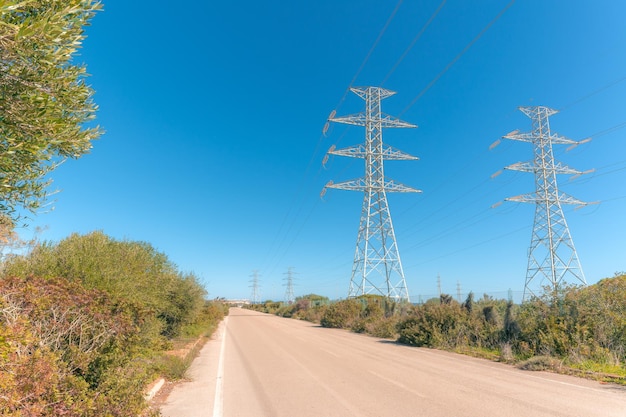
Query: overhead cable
{"type": "Point", "coordinates": [456, 58]}
{"type": "Point", "coordinates": [415, 39]}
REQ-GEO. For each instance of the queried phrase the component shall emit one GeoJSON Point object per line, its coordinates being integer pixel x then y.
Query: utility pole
{"type": "Point", "coordinates": [256, 295]}
{"type": "Point", "coordinates": [458, 291]}
{"type": "Point", "coordinates": [552, 257]}
{"type": "Point", "coordinates": [289, 296]}
{"type": "Point", "coordinates": [377, 267]}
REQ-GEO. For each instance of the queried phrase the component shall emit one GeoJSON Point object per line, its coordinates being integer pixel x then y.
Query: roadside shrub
{"type": "Point", "coordinates": [133, 273]}
{"type": "Point", "coordinates": [82, 321]}
{"type": "Point", "coordinates": [435, 325]}
{"type": "Point", "coordinates": [313, 314]}
{"type": "Point", "coordinates": [384, 327]}
{"type": "Point", "coordinates": [342, 314]}
{"type": "Point", "coordinates": [64, 351]}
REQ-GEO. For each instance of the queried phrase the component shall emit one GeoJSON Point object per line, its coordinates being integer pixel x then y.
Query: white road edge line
{"type": "Point", "coordinates": [218, 402]}
{"type": "Point", "coordinates": [331, 353]}
{"type": "Point", "coordinates": [397, 384]}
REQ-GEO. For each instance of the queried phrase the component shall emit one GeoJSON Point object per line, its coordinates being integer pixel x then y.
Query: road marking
{"type": "Point", "coordinates": [218, 402]}
{"type": "Point", "coordinates": [331, 353]}
{"type": "Point", "coordinates": [397, 384]}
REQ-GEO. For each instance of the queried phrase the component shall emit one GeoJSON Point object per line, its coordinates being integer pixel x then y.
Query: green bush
{"type": "Point", "coordinates": [67, 346]}
{"type": "Point", "coordinates": [342, 314]}
{"type": "Point", "coordinates": [132, 273]}
{"type": "Point", "coordinates": [435, 325]}
{"type": "Point", "coordinates": [84, 323]}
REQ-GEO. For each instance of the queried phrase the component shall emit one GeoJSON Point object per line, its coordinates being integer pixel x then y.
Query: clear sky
{"type": "Point", "coordinates": [214, 110]}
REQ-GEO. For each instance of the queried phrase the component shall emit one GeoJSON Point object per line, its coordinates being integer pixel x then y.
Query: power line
{"type": "Point", "coordinates": [456, 58]}
{"type": "Point", "coordinates": [471, 246]}
{"type": "Point", "coordinates": [380, 35]}
{"type": "Point", "coordinates": [300, 188]}
{"type": "Point", "coordinates": [593, 93]}
{"type": "Point", "coordinates": [415, 39]}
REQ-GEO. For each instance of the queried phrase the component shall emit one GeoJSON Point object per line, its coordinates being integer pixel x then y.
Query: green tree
{"type": "Point", "coordinates": [44, 101]}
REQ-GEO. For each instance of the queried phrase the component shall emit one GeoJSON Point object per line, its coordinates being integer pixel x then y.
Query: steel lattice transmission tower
{"type": "Point", "coordinates": [376, 255]}
{"type": "Point", "coordinates": [256, 294]}
{"type": "Point", "coordinates": [289, 294]}
{"type": "Point", "coordinates": [552, 257]}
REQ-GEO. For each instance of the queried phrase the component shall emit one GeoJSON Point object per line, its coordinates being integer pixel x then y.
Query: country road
{"type": "Point", "coordinates": [267, 366]}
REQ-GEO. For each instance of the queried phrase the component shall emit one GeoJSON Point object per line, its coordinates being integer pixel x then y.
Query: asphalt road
{"type": "Point", "coordinates": [267, 366]}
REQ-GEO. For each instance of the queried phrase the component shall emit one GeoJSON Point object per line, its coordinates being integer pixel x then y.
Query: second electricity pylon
{"type": "Point", "coordinates": [289, 295]}
{"type": "Point", "coordinates": [256, 295]}
{"type": "Point", "coordinates": [376, 252]}
{"type": "Point", "coordinates": [552, 257]}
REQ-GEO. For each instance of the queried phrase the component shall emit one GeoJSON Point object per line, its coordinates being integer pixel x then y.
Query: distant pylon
{"type": "Point", "coordinates": [376, 255]}
{"type": "Point", "coordinates": [256, 295]}
{"type": "Point", "coordinates": [289, 295]}
{"type": "Point", "coordinates": [552, 257]}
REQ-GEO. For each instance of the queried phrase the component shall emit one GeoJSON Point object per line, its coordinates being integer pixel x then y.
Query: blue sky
{"type": "Point", "coordinates": [213, 114]}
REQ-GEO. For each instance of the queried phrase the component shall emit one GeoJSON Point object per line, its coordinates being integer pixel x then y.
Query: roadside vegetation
{"type": "Point", "coordinates": [86, 324]}
{"type": "Point", "coordinates": [580, 331]}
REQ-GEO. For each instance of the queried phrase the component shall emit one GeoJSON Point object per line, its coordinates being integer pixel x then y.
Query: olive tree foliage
{"type": "Point", "coordinates": [44, 101]}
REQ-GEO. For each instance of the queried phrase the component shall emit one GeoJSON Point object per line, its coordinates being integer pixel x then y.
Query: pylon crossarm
{"type": "Point", "coordinates": [523, 198]}
{"type": "Point", "coordinates": [531, 167]}
{"type": "Point", "coordinates": [389, 121]}
{"type": "Point", "coordinates": [522, 137]}
{"type": "Point", "coordinates": [562, 140]}
{"type": "Point", "coordinates": [353, 185]}
{"type": "Point", "coordinates": [393, 154]}
{"type": "Point", "coordinates": [534, 198]}
{"type": "Point", "coordinates": [357, 151]}
{"type": "Point", "coordinates": [353, 119]}
{"type": "Point", "coordinates": [395, 187]}
{"type": "Point", "coordinates": [363, 92]}
{"type": "Point", "coordinates": [521, 166]}
{"type": "Point", "coordinates": [388, 153]}
{"type": "Point", "coordinates": [568, 199]}
{"type": "Point", "coordinates": [361, 119]}
{"type": "Point", "coordinates": [360, 185]}
{"type": "Point", "coordinates": [534, 111]}
{"type": "Point", "coordinates": [564, 169]}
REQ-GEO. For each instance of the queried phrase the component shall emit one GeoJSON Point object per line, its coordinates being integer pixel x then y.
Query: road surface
{"type": "Point", "coordinates": [268, 366]}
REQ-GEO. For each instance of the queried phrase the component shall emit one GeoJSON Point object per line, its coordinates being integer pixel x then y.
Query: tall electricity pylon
{"type": "Point", "coordinates": [289, 295]}
{"type": "Point", "coordinates": [256, 294]}
{"type": "Point", "coordinates": [552, 257]}
{"type": "Point", "coordinates": [376, 253]}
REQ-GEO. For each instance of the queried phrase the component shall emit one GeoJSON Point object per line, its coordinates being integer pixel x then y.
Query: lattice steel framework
{"type": "Point", "coordinates": [552, 257]}
{"type": "Point", "coordinates": [289, 294]}
{"type": "Point", "coordinates": [376, 255]}
{"type": "Point", "coordinates": [256, 293]}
